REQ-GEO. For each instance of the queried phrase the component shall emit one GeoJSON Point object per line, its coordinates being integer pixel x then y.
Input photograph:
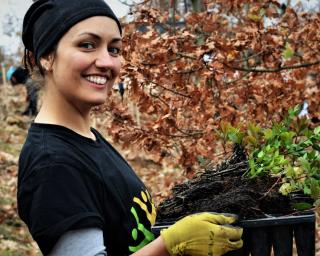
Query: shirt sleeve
{"type": "Point", "coordinates": [88, 241]}
{"type": "Point", "coordinates": [55, 199]}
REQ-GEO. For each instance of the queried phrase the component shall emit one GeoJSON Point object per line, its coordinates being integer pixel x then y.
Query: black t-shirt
{"type": "Point", "coordinates": [67, 181]}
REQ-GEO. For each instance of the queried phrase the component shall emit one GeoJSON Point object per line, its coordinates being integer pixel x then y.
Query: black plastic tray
{"type": "Point", "coordinates": [260, 236]}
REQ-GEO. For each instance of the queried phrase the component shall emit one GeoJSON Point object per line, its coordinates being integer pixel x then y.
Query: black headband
{"type": "Point", "coordinates": [47, 21]}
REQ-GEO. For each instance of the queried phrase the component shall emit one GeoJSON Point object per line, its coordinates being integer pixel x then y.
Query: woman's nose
{"type": "Point", "coordinates": [105, 60]}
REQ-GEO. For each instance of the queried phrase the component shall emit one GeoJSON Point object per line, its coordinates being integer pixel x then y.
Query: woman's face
{"type": "Point", "coordinates": [86, 62]}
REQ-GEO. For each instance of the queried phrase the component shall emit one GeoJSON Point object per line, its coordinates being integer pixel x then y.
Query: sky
{"type": "Point", "coordinates": [18, 8]}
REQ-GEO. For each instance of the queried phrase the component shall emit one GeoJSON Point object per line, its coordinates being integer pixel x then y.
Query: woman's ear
{"type": "Point", "coordinates": [47, 62]}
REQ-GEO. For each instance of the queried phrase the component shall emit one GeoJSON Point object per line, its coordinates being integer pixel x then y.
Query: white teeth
{"type": "Point", "coordinates": [97, 79]}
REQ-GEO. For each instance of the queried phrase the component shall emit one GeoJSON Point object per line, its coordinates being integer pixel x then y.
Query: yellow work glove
{"type": "Point", "coordinates": [202, 234]}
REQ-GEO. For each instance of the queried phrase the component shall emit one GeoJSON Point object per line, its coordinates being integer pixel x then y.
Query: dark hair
{"type": "Point", "coordinates": [30, 62]}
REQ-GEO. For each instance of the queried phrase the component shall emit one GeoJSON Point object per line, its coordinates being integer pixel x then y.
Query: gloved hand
{"type": "Point", "coordinates": [202, 234]}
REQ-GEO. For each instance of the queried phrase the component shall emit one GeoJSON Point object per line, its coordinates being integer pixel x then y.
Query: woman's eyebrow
{"type": "Point", "coordinates": [89, 34]}
{"type": "Point", "coordinates": [114, 40]}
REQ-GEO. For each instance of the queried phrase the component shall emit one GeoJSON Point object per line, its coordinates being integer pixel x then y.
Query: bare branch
{"type": "Point", "coordinates": [171, 90]}
{"type": "Point", "coordinates": [238, 79]}
{"type": "Point", "coordinates": [271, 70]}
{"type": "Point", "coordinates": [193, 133]}
{"type": "Point", "coordinates": [250, 57]}
{"type": "Point", "coordinates": [158, 97]}
{"type": "Point", "coordinates": [179, 56]}
{"type": "Point", "coordinates": [186, 56]}
{"type": "Point", "coordinates": [168, 134]}
{"type": "Point", "coordinates": [188, 71]}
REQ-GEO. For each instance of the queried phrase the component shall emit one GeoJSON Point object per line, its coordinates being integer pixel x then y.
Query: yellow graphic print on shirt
{"type": "Point", "coordinates": [151, 216]}
{"type": "Point", "coordinates": [146, 197]}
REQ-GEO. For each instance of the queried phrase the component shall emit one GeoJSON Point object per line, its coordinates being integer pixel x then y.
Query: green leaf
{"type": "Point", "coordinates": [302, 206]}
{"type": "Point", "coordinates": [308, 133]}
{"type": "Point", "coordinates": [225, 128]}
{"type": "Point", "coordinates": [276, 170]}
{"type": "Point", "coordinates": [289, 171]}
{"type": "Point", "coordinates": [304, 163]}
{"type": "Point", "coordinates": [306, 190]}
{"type": "Point", "coordinates": [251, 140]}
{"type": "Point", "coordinates": [306, 143]}
{"type": "Point", "coordinates": [285, 189]}
{"type": "Point", "coordinates": [235, 135]}
{"type": "Point", "coordinates": [288, 52]}
{"type": "Point", "coordinates": [312, 155]}
{"type": "Point", "coordinates": [268, 148]}
{"type": "Point", "coordinates": [260, 154]}
{"type": "Point", "coordinates": [259, 170]}
{"type": "Point", "coordinates": [298, 171]}
{"type": "Point", "coordinates": [268, 134]}
{"type": "Point", "coordinates": [287, 136]}
{"type": "Point", "coordinates": [253, 129]}
{"type": "Point", "coordinates": [282, 160]}
{"type": "Point", "coordinates": [317, 130]}
{"type": "Point", "coordinates": [315, 189]}
{"type": "Point", "coordinates": [297, 108]}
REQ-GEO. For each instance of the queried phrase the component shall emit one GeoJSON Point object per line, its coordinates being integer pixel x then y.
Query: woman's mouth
{"type": "Point", "coordinates": [98, 80]}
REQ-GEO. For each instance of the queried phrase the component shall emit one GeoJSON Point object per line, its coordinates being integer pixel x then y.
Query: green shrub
{"type": "Point", "coordinates": [289, 150]}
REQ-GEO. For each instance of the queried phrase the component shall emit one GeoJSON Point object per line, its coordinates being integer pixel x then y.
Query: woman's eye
{"type": "Point", "coordinates": [87, 45]}
{"type": "Point", "coordinates": [114, 51]}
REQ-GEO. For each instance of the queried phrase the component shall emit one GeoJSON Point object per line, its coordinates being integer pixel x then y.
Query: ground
{"type": "Point", "coordinates": [14, 236]}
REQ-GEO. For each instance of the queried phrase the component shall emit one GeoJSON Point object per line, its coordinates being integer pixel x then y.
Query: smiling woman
{"type": "Point", "coordinates": [76, 194]}
{"type": "Point", "coordinates": [82, 70]}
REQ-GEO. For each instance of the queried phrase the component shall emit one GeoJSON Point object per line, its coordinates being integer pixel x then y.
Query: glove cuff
{"type": "Point", "coordinates": [164, 235]}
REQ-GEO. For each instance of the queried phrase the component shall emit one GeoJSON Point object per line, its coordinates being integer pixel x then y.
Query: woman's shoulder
{"type": "Point", "coordinates": [47, 145]}
{"type": "Point", "coordinates": [55, 136]}
{"type": "Point", "coordinates": [47, 139]}
{"type": "Point", "coordinates": [52, 157]}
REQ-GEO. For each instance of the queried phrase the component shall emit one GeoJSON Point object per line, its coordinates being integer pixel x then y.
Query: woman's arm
{"type": "Point", "coordinates": [197, 234]}
{"type": "Point", "coordinates": [155, 248]}
{"type": "Point", "coordinates": [89, 242]}
{"type": "Point", "coordinates": [85, 242]}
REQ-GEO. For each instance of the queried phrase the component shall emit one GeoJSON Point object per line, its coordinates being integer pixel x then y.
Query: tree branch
{"type": "Point", "coordinates": [158, 97]}
{"type": "Point", "coordinates": [179, 56]}
{"type": "Point", "coordinates": [250, 57]}
{"type": "Point", "coordinates": [271, 70]}
{"type": "Point", "coordinates": [193, 133]}
{"type": "Point", "coordinates": [186, 56]}
{"type": "Point", "coordinates": [237, 79]}
{"type": "Point", "coordinates": [168, 134]}
{"type": "Point", "coordinates": [171, 90]}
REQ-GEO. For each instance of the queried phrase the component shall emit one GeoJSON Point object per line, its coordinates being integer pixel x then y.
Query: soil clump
{"type": "Point", "coordinates": [225, 189]}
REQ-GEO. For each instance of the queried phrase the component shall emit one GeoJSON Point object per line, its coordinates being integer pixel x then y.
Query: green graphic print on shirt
{"type": "Point", "coordinates": [151, 216]}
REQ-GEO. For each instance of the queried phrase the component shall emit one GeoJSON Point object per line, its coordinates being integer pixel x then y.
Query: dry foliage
{"type": "Point", "coordinates": [221, 65]}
